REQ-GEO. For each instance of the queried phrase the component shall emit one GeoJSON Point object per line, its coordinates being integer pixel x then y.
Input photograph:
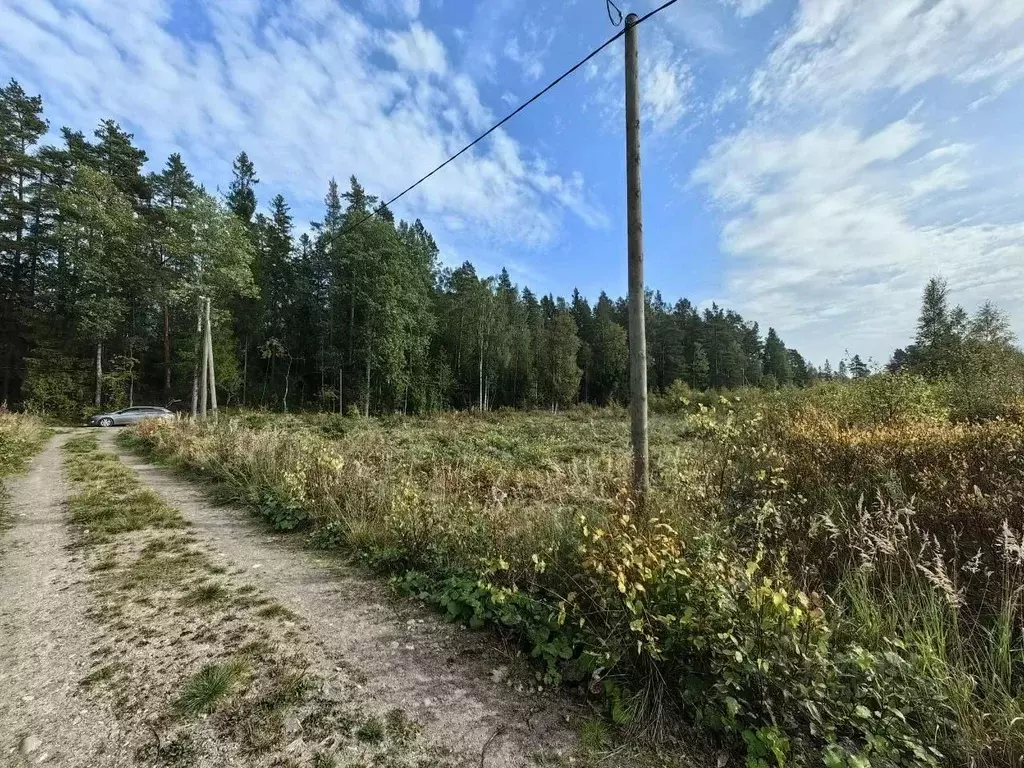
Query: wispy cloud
{"type": "Point", "coordinates": [667, 83]}
{"type": "Point", "coordinates": [746, 8]}
{"type": "Point", "coordinates": [856, 178]}
{"type": "Point", "coordinates": [838, 49]}
{"type": "Point", "coordinates": [311, 90]}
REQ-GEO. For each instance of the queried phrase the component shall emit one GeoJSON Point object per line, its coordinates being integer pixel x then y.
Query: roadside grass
{"type": "Point", "coordinates": [111, 501]}
{"type": "Point", "coordinates": [209, 687]}
{"type": "Point", "coordinates": [797, 590]}
{"type": "Point", "coordinates": [204, 594]}
{"type": "Point", "coordinates": [276, 611]}
{"type": "Point", "coordinates": [21, 437]}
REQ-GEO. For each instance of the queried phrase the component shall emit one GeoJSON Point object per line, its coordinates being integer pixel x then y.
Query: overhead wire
{"type": "Point", "coordinates": [610, 6]}
{"type": "Point", "coordinates": [574, 68]}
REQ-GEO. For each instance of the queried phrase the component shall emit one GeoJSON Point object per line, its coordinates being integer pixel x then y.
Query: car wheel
{"type": "Point", "coordinates": [106, 422]}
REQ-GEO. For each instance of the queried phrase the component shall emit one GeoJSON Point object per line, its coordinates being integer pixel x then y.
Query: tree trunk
{"type": "Point", "coordinates": [98, 402]}
{"type": "Point", "coordinates": [369, 352]}
{"type": "Point", "coordinates": [480, 397]}
{"type": "Point", "coordinates": [131, 375]}
{"type": "Point", "coordinates": [167, 352]}
{"type": "Point", "coordinates": [8, 351]}
{"type": "Point", "coordinates": [245, 369]}
{"type": "Point", "coordinates": [351, 326]}
{"type": "Point", "coordinates": [287, 377]}
{"type": "Point", "coordinates": [341, 391]}
{"type": "Point", "coordinates": [37, 228]}
{"type": "Point", "coordinates": [323, 375]}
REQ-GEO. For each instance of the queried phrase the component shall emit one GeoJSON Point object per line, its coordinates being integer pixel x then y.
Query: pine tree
{"type": "Point", "coordinates": [241, 197]}
{"type": "Point", "coordinates": [610, 354]}
{"type": "Point", "coordinates": [858, 368]}
{"type": "Point", "coordinates": [700, 376]}
{"type": "Point", "coordinates": [172, 190]}
{"type": "Point", "coordinates": [21, 127]}
{"type": "Point", "coordinates": [563, 347]}
{"type": "Point", "coordinates": [98, 232]}
{"type": "Point", "coordinates": [939, 331]}
{"type": "Point", "coordinates": [798, 368]}
{"type": "Point", "coordinates": [776, 359]}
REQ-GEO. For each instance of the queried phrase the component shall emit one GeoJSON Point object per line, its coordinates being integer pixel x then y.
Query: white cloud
{"type": "Point", "coordinates": [666, 84]}
{"type": "Point", "coordinates": [299, 86]}
{"type": "Point", "coordinates": [746, 8]}
{"type": "Point", "coordinates": [832, 242]}
{"type": "Point", "coordinates": [725, 96]}
{"type": "Point", "coordinates": [842, 48]}
{"type": "Point", "coordinates": [696, 25]}
{"type": "Point", "coordinates": [833, 217]}
{"type": "Point", "coordinates": [528, 61]}
{"type": "Point", "coordinates": [416, 50]}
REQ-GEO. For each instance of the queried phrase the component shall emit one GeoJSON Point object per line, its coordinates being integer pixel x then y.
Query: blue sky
{"type": "Point", "coordinates": [809, 163]}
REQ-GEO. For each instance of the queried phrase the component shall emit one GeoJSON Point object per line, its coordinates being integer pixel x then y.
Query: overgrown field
{"type": "Point", "coordinates": [824, 577]}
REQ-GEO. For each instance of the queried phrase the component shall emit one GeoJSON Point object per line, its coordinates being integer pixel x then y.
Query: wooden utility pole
{"type": "Point", "coordinates": [204, 369]}
{"type": "Point", "coordinates": [637, 335]}
{"type": "Point", "coordinates": [200, 356]}
{"type": "Point", "coordinates": [209, 360]}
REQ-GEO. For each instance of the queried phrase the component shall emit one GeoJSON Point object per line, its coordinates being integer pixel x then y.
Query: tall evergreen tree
{"type": "Point", "coordinates": [563, 347]}
{"type": "Point", "coordinates": [939, 330]}
{"type": "Point", "coordinates": [21, 127]}
{"type": "Point", "coordinates": [241, 197]}
{"type": "Point", "coordinates": [776, 359]}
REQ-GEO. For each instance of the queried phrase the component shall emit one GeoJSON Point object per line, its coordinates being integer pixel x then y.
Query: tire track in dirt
{"type": "Point", "coordinates": [439, 674]}
{"type": "Point", "coordinates": [44, 633]}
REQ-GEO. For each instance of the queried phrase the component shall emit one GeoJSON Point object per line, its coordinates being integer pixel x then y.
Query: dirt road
{"type": "Point", "coordinates": [45, 636]}
{"type": "Point", "coordinates": [448, 679]}
{"type": "Point", "coordinates": [465, 698]}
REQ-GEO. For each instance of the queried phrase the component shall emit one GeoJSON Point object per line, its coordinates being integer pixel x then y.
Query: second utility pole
{"type": "Point", "coordinates": [637, 334]}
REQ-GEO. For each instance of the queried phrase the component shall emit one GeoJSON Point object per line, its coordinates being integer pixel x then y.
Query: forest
{"type": "Point", "coordinates": [103, 262]}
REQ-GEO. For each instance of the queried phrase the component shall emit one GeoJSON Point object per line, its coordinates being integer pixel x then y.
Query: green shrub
{"type": "Point", "coordinates": [880, 399]}
{"type": "Point", "coordinates": [20, 437]}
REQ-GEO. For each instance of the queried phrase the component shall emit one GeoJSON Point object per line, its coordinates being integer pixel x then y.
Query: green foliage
{"type": "Point", "coordinates": [56, 385]}
{"type": "Point", "coordinates": [103, 480]}
{"type": "Point", "coordinates": [882, 399]}
{"type": "Point", "coordinates": [21, 436]}
{"type": "Point", "coordinates": [209, 687]}
{"type": "Point", "coordinates": [800, 597]}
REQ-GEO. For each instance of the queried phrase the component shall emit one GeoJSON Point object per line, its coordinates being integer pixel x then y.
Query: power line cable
{"type": "Point", "coordinates": [504, 120]}
{"type": "Point", "coordinates": [610, 6]}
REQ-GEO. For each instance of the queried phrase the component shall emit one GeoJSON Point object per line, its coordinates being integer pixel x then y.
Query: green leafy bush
{"type": "Point", "coordinates": [20, 437]}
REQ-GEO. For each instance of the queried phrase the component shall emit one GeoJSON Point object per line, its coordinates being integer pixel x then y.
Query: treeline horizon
{"type": "Point", "coordinates": [103, 265]}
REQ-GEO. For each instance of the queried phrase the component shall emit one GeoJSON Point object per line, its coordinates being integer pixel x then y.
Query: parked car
{"type": "Point", "coordinates": [130, 416]}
